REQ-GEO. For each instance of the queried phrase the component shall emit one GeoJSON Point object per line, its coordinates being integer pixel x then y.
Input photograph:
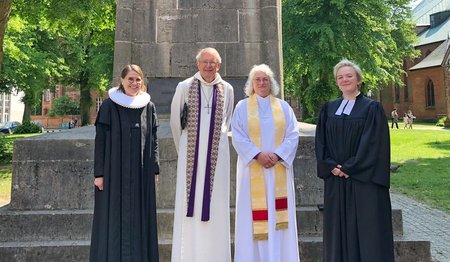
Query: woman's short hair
{"type": "Point", "coordinates": [210, 50]}
{"type": "Point", "coordinates": [346, 62]}
{"type": "Point", "coordinates": [138, 70]}
{"type": "Point", "coordinates": [274, 87]}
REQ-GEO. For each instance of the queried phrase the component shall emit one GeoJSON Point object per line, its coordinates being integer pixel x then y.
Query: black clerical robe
{"type": "Point", "coordinates": [126, 156]}
{"type": "Point", "coordinates": [357, 210]}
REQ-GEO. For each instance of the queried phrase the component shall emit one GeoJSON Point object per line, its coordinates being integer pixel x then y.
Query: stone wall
{"type": "Point", "coordinates": [163, 36]}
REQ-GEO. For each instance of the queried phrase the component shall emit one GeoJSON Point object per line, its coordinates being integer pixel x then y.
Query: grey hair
{"type": "Point", "coordinates": [346, 62]}
{"type": "Point", "coordinates": [210, 50]}
{"type": "Point", "coordinates": [274, 87]}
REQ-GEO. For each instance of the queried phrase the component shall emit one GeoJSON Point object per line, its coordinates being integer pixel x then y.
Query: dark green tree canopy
{"type": "Point", "coordinates": [378, 35]}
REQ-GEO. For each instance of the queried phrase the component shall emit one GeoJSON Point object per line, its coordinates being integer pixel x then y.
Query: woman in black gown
{"type": "Point", "coordinates": [126, 168]}
{"type": "Point", "coordinates": [353, 159]}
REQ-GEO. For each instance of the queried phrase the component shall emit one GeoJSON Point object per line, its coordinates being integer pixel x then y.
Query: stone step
{"type": "Point", "coordinates": [310, 250]}
{"type": "Point", "coordinates": [47, 225]}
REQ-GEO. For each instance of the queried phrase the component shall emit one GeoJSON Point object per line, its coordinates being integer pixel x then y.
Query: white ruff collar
{"type": "Point", "coordinates": [217, 80]}
{"type": "Point", "coordinates": [124, 100]}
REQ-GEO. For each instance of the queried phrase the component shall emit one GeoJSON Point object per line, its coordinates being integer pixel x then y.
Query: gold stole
{"type": "Point", "coordinates": [257, 184]}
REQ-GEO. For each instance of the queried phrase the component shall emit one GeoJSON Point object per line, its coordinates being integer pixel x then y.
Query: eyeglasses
{"type": "Point", "coordinates": [212, 63]}
{"type": "Point", "coordinates": [132, 79]}
{"type": "Point", "coordinates": [261, 80]}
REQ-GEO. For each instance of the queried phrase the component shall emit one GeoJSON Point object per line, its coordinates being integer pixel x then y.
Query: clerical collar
{"type": "Point", "coordinates": [124, 100]}
{"type": "Point", "coordinates": [346, 106]}
{"type": "Point", "coordinates": [217, 80]}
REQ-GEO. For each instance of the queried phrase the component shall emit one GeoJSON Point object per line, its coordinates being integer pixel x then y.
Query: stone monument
{"type": "Point", "coordinates": [50, 215]}
{"type": "Point", "coordinates": [163, 37]}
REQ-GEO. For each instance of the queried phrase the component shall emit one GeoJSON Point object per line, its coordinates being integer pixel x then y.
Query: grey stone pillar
{"type": "Point", "coordinates": [163, 37]}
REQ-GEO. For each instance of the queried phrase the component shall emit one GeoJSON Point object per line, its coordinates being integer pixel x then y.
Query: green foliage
{"type": "Point", "coordinates": [6, 149]}
{"type": "Point", "coordinates": [441, 121]}
{"type": "Point", "coordinates": [64, 105]}
{"type": "Point", "coordinates": [376, 34]}
{"type": "Point", "coordinates": [28, 127]}
{"type": "Point", "coordinates": [51, 41]}
{"type": "Point", "coordinates": [425, 171]}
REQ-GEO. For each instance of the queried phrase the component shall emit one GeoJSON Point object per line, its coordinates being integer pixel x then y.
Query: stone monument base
{"type": "Point", "coordinates": [50, 214]}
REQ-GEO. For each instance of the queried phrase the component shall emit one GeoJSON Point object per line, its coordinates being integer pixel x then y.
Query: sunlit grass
{"type": "Point", "coordinates": [424, 159]}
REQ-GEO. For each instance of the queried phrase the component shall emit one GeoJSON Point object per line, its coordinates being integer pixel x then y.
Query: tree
{"type": "Point", "coordinates": [5, 10]}
{"type": "Point", "coordinates": [69, 42]}
{"type": "Point", "coordinates": [376, 34]}
{"type": "Point", "coordinates": [31, 63]}
{"type": "Point", "coordinates": [64, 105]}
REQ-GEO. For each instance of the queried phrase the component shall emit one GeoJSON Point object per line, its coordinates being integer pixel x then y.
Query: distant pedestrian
{"type": "Point", "coordinates": [394, 117]}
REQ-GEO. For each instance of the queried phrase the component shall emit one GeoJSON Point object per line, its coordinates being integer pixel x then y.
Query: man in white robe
{"type": "Point", "coordinates": [202, 215]}
{"type": "Point", "coordinates": [281, 245]}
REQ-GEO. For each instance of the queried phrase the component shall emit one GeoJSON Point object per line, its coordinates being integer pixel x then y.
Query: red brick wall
{"type": "Point", "coordinates": [419, 80]}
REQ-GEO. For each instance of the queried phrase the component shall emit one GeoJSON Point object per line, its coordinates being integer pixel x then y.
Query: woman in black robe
{"type": "Point", "coordinates": [353, 159]}
{"type": "Point", "coordinates": [126, 165]}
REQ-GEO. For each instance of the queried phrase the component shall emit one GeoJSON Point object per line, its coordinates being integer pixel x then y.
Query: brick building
{"type": "Point", "coordinates": [49, 96]}
{"type": "Point", "coordinates": [427, 82]}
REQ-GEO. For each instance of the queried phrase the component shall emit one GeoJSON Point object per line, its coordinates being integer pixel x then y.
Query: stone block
{"type": "Point", "coordinates": [211, 4]}
{"type": "Point", "coordinates": [177, 26]}
{"type": "Point", "coordinates": [162, 91]}
{"type": "Point", "coordinates": [45, 251]}
{"type": "Point", "coordinates": [124, 4]}
{"type": "Point", "coordinates": [142, 4]}
{"type": "Point", "coordinates": [241, 57]}
{"type": "Point", "coordinates": [218, 26]}
{"type": "Point", "coordinates": [144, 25]}
{"type": "Point", "coordinates": [269, 24]}
{"type": "Point", "coordinates": [270, 55]}
{"type": "Point", "coordinates": [250, 26]}
{"type": "Point", "coordinates": [51, 225]}
{"type": "Point", "coordinates": [124, 29]}
{"type": "Point", "coordinates": [166, 4]}
{"type": "Point", "coordinates": [122, 57]}
{"type": "Point", "coordinates": [154, 59]}
{"type": "Point", "coordinates": [270, 3]}
{"type": "Point", "coordinates": [183, 58]}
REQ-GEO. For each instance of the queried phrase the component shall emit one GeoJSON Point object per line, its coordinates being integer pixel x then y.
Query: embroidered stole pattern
{"type": "Point", "coordinates": [193, 129]}
{"type": "Point", "coordinates": [257, 184]}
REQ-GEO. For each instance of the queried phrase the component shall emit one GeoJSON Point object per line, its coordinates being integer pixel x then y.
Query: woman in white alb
{"type": "Point", "coordinates": [265, 136]}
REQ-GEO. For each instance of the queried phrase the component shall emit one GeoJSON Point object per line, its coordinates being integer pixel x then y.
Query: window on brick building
{"type": "Point", "coordinates": [429, 95]}
{"type": "Point", "coordinates": [98, 103]}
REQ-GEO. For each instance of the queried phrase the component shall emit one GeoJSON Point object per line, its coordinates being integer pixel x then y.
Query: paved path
{"type": "Point", "coordinates": [420, 222]}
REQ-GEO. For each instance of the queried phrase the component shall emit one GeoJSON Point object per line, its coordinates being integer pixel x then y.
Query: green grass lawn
{"type": "Point", "coordinates": [5, 183]}
{"type": "Point", "coordinates": [424, 156]}
{"type": "Point", "coordinates": [6, 172]}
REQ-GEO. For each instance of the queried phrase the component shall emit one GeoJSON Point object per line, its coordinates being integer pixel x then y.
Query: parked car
{"type": "Point", "coordinates": [8, 127]}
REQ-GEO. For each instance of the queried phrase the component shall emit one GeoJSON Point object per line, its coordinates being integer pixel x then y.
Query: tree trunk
{"type": "Point", "coordinates": [85, 99]}
{"type": "Point", "coordinates": [5, 10]}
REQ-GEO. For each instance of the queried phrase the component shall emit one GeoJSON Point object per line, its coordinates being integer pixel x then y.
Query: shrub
{"type": "Point", "coordinates": [441, 121]}
{"type": "Point", "coordinates": [28, 128]}
{"type": "Point", "coordinates": [6, 149]}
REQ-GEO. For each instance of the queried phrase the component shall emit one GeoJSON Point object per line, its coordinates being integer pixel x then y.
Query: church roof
{"type": "Point", "coordinates": [435, 34]}
{"type": "Point", "coordinates": [435, 58]}
{"type": "Point", "coordinates": [423, 9]}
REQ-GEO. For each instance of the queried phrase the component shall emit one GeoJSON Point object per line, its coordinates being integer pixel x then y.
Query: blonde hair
{"type": "Point", "coordinates": [274, 87]}
{"type": "Point", "coordinates": [346, 62]}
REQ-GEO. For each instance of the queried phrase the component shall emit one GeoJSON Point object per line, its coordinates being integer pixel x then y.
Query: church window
{"type": "Point", "coordinates": [430, 94]}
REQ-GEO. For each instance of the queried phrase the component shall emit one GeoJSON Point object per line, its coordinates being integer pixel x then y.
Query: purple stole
{"type": "Point", "coordinates": [193, 129]}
